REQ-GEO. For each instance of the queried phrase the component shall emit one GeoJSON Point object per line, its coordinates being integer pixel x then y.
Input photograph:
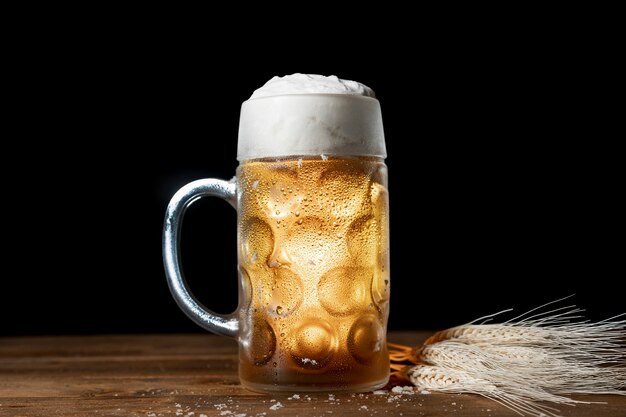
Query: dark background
{"type": "Point", "coordinates": [505, 179]}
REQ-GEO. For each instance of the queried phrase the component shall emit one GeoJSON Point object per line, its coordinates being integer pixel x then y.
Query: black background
{"type": "Point", "coordinates": [505, 179]}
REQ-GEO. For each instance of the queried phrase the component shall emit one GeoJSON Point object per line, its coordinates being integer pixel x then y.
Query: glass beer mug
{"type": "Point", "coordinates": [313, 244]}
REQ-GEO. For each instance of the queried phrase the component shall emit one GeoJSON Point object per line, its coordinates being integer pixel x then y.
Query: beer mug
{"type": "Point", "coordinates": [313, 245]}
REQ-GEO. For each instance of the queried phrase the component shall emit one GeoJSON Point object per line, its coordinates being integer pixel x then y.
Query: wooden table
{"type": "Point", "coordinates": [194, 376]}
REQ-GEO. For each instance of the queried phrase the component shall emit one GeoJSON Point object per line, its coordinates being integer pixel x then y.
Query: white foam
{"type": "Point", "coordinates": [311, 84]}
{"type": "Point", "coordinates": [311, 115]}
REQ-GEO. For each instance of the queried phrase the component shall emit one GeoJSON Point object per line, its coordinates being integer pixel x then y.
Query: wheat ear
{"type": "Point", "coordinates": [539, 356]}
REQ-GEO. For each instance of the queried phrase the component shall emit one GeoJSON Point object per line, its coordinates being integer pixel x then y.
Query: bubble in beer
{"type": "Point", "coordinates": [366, 338]}
{"type": "Point", "coordinates": [314, 343]}
{"type": "Point", "coordinates": [343, 290]}
{"type": "Point", "coordinates": [262, 342]}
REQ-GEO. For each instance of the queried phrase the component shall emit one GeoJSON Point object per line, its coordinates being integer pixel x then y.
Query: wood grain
{"type": "Point", "coordinates": [195, 375]}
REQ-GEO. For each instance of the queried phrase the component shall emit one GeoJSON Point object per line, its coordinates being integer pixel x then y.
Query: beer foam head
{"type": "Point", "coordinates": [311, 84]}
{"type": "Point", "coordinates": [303, 114]}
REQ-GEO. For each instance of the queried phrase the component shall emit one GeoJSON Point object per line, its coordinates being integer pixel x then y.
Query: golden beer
{"type": "Point", "coordinates": [313, 248]}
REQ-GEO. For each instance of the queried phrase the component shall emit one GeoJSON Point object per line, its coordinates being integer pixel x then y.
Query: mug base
{"type": "Point", "coordinates": [321, 388]}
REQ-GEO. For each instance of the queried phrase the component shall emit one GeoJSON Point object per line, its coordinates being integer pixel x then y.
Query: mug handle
{"type": "Point", "coordinates": [225, 325]}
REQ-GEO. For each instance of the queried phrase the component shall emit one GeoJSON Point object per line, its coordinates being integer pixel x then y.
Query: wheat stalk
{"type": "Point", "coordinates": [539, 356]}
{"type": "Point", "coordinates": [433, 378]}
